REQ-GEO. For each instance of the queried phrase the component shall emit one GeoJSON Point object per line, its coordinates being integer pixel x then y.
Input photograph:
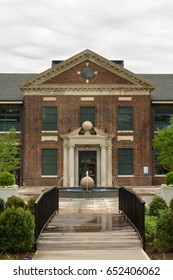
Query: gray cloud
{"type": "Point", "coordinates": [35, 32]}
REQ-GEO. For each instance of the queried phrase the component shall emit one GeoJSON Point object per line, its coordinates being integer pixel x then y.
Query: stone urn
{"type": "Point", "coordinates": [8, 192]}
{"type": "Point", "coordinates": [87, 183]}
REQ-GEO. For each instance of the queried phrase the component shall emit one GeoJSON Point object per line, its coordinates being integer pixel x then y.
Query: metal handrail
{"type": "Point", "coordinates": [133, 207]}
{"type": "Point", "coordinates": [45, 206]}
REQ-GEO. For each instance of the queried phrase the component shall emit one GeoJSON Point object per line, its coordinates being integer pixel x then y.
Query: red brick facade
{"type": "Point", "coordinates": [68, 120]}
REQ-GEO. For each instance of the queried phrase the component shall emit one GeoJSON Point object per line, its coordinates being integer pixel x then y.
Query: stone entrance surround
{"type": "Point", "coordinates": [74, 142]}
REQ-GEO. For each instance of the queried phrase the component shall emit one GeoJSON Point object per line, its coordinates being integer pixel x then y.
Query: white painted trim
{"type": "Point", "coordinates": [125, 131]}
{"type": "Point", "coordinates": [4, 132]}
{"type": "Point", "coordinates": [87, 98]}
{"type": "Point", "coordinates": [125, 138]}
{"type": "Point", "coordinates": [126, 176]}
{"type": "Point", "coordinates": [11, 102]}
{"type": "Point", "coordinates": [51, 98]}
{"type": "Point", "coordinates": [162, 102]}
{"type": "Point", "coordinates": [49, 176]}
{"type": "Point", "coordinates": [125, 98]}
{"type": "Point", "coordinates": [49, 138]}
{"type": "Point", "coordinates": [49, 131]}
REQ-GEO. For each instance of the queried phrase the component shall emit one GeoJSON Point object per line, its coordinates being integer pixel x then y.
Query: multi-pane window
{"type": "Point", "coordinates": [162, 117]}
{"type": "Point", "coordinates": [49, 118]}
{"type": "Point", "coordinates": [9, 118]}
{"type": "Point", "coordinates": [87, 114]}
{"type": "Point", "coordinates": [158, 168]}
{"type": "Point", "coordinates": [125, 161]}
{"type": "Point", "coordinates": [125, 118]}
{"type": "Point", "coordinates": [49, 162]}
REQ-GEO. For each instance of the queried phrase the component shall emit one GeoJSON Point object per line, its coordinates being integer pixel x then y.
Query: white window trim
{"type": "Point", "coordinates": [49, 176]}
{"type": "Point", "coordinates": [126, 176]}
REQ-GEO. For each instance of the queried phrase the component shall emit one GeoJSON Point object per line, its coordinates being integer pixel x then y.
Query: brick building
{"type": "Point", "coordinates": [122, 109]}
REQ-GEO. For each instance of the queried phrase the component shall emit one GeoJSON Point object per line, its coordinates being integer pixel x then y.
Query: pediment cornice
{"type": "Point", "coordinates": [38, 80]}
{"type": "Point", "coordinates": [99, 134]}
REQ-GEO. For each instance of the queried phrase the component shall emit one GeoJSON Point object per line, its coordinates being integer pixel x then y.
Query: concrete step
{"type": "Point", "coordinates": [88, 245]}
{"type": "Point", "coordinates": [88, 232]}
{"type": "Point", "coordinates": [102, 234]}
{"type": "Point", "coordinates": [117, 254]}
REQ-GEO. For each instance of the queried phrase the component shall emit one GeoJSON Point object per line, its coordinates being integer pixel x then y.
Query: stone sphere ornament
{"type": "Point", "coordinates": [87, 183]}
{"type": "Point", "coordinates": [87, 126]}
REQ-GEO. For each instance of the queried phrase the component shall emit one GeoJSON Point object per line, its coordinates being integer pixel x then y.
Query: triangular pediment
{"type": "Point", "coordinates": [76, 133]}
{"type": "Point", "coordinates": [99, 138]}
{"type": "Point", "coordinates": [71, 73]}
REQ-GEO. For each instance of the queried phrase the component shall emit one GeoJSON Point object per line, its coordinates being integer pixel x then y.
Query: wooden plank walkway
{"type": "Point", "coordinates": [87, 231]}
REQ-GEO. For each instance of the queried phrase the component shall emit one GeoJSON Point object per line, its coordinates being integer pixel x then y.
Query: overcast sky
{"type": "Point", "coordinates": [34, 32]}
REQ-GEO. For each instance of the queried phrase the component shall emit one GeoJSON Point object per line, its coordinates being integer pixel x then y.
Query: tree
{"type": "Point", "coordinates": [163, 141]}
{"type": "Point", "coordinates": [9, 152]}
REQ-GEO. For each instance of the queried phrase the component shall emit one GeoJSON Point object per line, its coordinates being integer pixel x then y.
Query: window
{"type": "Point", "coordinates": [162, 117]}
{"type": "Point", "coordinates": [49, 162]}
{"type": "Point", "coordinates": [49, 118]}
{"type": "Point", "coordinates": [87, 114]}
{"type": "Point", "coordinates": [158, 168]}
{"type": "Point", "coordinates": [125, 118]}
{"type": "Point", "coordinates": [9, 118]}
{"type": "Point", "coordinates": [125, 161]}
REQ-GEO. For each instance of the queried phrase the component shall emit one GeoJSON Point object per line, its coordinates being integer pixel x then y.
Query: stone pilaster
{"type": "Point", "coordinates": [71, 165]}
{"type": "Point", "coordinates": [103, 166]}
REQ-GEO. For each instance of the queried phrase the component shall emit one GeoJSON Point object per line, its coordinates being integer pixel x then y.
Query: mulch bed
{"type": "Point", "coordinates": [4, 255]}
{"type": "Point", "coordinates": [153, 255]}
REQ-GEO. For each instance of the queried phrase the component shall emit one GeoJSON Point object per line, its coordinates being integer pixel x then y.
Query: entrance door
{"type": "Point", "coordinates": [87, 162]}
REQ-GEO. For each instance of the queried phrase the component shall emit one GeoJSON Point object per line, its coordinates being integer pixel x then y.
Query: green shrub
{"type": "Point", "coordinates": [1, 205]}
{"type": "Point", "coordinates": [150, 228]}
{"type": "Point", "coordinates": [156, 205]}
{"type": "Point", "coordinates": [169, 178]}
{"type": "Point", "coordinates": [31, 204]}
{"type": "Point", "coordinates": [171, 204]}
{"type": "Point", "coordinates": [164, 232]}
{"type": "Point", "coordinates": [6, 179]}
{"type": "Point", "coordinates": [16, 230]}
{"type": "Point", "coordinates": [15, 201]}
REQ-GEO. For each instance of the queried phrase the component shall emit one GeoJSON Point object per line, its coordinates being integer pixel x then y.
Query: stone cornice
{"type": "Point", "coordinates": [91, 56]}
{"type": "Point", "coordinates": [89, 89]}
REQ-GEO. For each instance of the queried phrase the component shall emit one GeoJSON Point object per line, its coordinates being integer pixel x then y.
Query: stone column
{"type": "Point", "coordinates": [71, 165]}
{"type": "Point", "coordinates": [103, 166]}
{"type": "Point", "coordinates": [109, 166]}
{"type": "Point", "coordinates": [65, 166]}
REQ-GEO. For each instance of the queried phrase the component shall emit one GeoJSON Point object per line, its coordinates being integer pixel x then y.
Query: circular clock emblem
{"type": "Point", "coordinates": [87, 72]}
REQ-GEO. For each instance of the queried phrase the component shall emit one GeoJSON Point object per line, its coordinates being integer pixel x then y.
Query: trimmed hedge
{"type": "Point", "coordinates": [6, 179]}
{"type": "Point", "coordinates": [164, 232]}
{"type": "Point", "coordinates": [17, 229]}
{"type": "Point", "coordinates": [169, 178]}
{"type": "Point", "coordinates": [156, 205]}
{"type": "Point", "coordinates": [15, 201]}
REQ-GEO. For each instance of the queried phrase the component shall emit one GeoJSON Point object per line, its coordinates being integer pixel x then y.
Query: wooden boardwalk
{"type": "Point", "coordinates": [87, 231]}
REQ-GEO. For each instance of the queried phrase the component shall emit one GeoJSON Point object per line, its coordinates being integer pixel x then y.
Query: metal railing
{"type": "Point", "coordinates": [45, 206]}
{"type": "Point", "coordinates": [133, 207]}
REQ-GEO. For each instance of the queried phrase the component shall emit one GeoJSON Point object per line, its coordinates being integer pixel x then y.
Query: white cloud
{"type": "Point", "coordinates": [35, 32]}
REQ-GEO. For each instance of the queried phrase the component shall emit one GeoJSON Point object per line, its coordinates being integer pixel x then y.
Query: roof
{"type": "Point", "coordinates": [10, 83]}
{"type": "Point", "coordinates": [164, 86]}
{"type": "Point", "coordinates": [10, 86]}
